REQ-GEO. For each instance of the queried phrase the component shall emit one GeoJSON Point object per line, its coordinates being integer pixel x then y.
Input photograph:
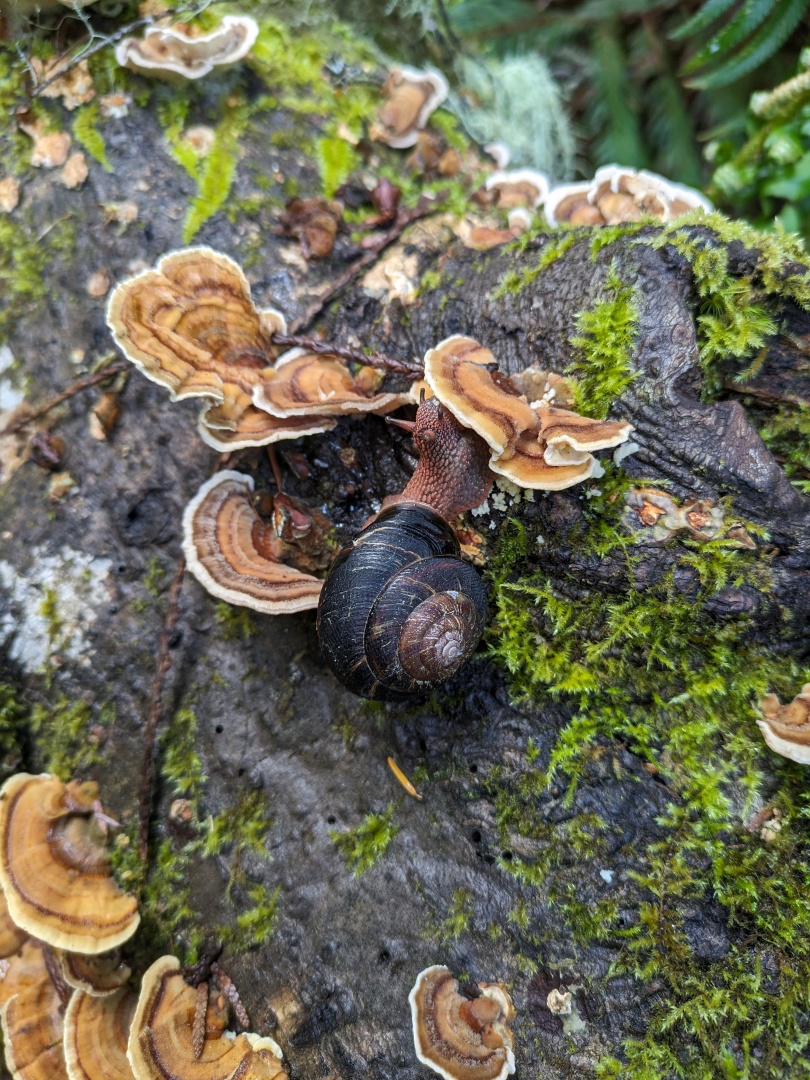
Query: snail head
{"type": "Point", "coordinates": [453, 473]}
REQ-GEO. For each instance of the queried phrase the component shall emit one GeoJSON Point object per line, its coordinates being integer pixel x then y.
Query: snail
{"type": "Point", "coordinates": [400, 611]}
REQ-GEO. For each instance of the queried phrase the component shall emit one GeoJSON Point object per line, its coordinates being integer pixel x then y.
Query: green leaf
{"type": "Point", "coordinates": [761, 46]}
{"type": "Point", "coordinates": [710, 11]}
{"type": "Point", "coordinates": [751, 15]}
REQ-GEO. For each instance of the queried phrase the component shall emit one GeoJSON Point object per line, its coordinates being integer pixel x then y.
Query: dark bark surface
{"type": "Point", "coordinates": [347, 949]}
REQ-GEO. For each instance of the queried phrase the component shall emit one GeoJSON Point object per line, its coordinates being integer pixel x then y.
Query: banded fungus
{"type": "Point", "coordinates": [238, 557]}
{"type": "Point", "coordinates": [31, 1017]}
{"type": "Point", "coordinates": [54, 869]}
{"type": "Point", "coordinates": [411, 97]}
{"type": "Point", "coordinates": [617, 194]}
{"type": "Point", "coordinates": [96, 976]}
{"type": "Point", "coordinates": [520, 187]}
{"type": "Point", "coordinates": [177, 52]}
{"type": "Point", "coordinates": [96, 1033]}
{"type": "Point", "coordinates": [786, 728]}
{"type": "Point", "coordinates": [459, 1037]}
{"type": "Point", "coordinates": [534, 444]}
{"type": "Point", "coordinates": [161, 1039]}
{"type": "Point", "coordinates": [11, 936]}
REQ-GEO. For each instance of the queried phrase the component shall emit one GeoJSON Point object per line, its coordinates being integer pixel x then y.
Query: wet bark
{"type": "Point", "coordinates": [347, 949]}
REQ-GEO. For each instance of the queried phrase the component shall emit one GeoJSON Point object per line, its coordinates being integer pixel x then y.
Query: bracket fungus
{"type": "Point", "coordinates": [520, 187]}
{"type": "Point", "coordinates": [786, 728]}
{"type": "Point", "coordinates": [458, 1037]}
{"type": "Point", "coordinates": [175, 51]}
{"type": "Point", "coordinates": [161, 1040]}
{"type": "Point", "coordinates": [236, 556]}
{"type": "Point", "coordinates": [11, 936]}
{"type": "Point", "coordinates": [190, 325]}
{"type": "Point", "coordinates": [31, 1016]}
{"type": "Point", "coordinates": [411, 96]}
{"type": "Point", "coordinates": [306, 384]}
{"type": "Point", "coordinates": [659, 513]}
{"type": "Point", "coordinates": [54, 869]}
{"type": "Point", "coordinates": [97, 976]}
{"type": "Point", "coordinates": [534, 444]}
{"type": "Point", "coordinates": [96, 1033]}
{"type": "Point", "coordinates": [617, 194]}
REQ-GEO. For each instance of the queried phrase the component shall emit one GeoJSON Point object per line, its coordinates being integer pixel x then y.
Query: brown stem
{"type": "Point", "coordinates": [76, 388]}
{"type": "Point", "coordinates": [164, 662]}
{"type": "Point", "coordinates": [374, 246]}
{"type": "Point", "coordinates": [412, 368]}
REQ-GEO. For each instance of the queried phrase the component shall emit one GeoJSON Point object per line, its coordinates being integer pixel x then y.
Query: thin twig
{"type": "Point", "coordinates": [374, 246]}
{"type": "Point", "coordinates": [412, 368]}
{"type": "Point", "coordinates": [164, 662]}
{"type": "Point", "coordinates": [76, 388]}
{"type": "Point", "coordinates": [228, 988]}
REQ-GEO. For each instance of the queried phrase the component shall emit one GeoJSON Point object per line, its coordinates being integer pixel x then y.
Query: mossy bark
{"type": "Point", "coordinates": [272, 753]}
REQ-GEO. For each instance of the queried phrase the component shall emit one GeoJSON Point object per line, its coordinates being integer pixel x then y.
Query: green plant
{"type": "Point", "coordinates": [362, 846]}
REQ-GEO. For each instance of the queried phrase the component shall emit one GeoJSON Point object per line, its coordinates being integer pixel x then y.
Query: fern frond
{"type": "Point", "coordinates": [751, 15]}
{"type": "Point", "coordinates": [764, 43]}
{"type": "Point", "coordinates": [710, 11]}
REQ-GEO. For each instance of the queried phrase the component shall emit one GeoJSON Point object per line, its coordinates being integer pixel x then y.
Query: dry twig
{"type": "Point", "coordinates": [71, 391]}
{"type": "Point", "coordinates": [411, 368]}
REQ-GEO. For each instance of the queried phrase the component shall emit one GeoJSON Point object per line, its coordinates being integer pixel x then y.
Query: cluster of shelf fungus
{"type": "Point", "coordinates": [68, 1006]}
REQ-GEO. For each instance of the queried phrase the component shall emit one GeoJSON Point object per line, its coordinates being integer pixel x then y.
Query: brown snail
{"type": "Point", "coordinates": [400, 611]}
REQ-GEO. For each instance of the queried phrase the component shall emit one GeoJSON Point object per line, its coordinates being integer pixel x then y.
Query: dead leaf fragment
{"type": "Point", "coordinates": [75, 171]}
{"type": "Point", "coordinates": [9, 194]}
{"type": "Point", "coordinates": [74, 86]}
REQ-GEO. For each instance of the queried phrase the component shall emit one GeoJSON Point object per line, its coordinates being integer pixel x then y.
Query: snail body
{"type": "Point", "coordinates": [400, 612]}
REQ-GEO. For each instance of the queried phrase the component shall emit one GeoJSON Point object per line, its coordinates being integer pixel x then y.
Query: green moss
{"type": "Point", "coordinates": [85, 132]}
{"type": "Point", "coordinates": [605, 348]}
{"type": "Point", "coordinates": [459, 916]}
{"type": "Point", "coordinates": [786, 433]}
{"type": "Point", "coordinates": [22, 272]}
{"type": "Point", "coordinates": [514, 282]}
{"type": "Point", "coordinates": [216, 171]}
{"type": "Point", "coordinates": [62, 737]}
{"type": "Point", "coordinates": [154, 578]}
{"type": "Point", "coordinates": [680, 689]}
{"type": "Point", "coordinates": [13, 714]}
{"type": "Point", "coordinates": [336, 159]}
{"type": "Point", "coordinates": [180, 763]}
{"type": "Point", "coordinates": [236, 623]}
{"type": "Point", "coordinates": [362, 846]}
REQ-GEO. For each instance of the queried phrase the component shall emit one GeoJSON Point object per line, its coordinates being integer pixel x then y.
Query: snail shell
{"type": "Point", "coordinates": [400, 611]}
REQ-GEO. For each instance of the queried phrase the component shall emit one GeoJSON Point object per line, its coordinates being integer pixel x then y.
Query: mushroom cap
{"type": "Point", "coordinates": [169, 50]}
{"type": "Point", "coordinates": [786, 728]}
{"type": "Point", "coordinates": [518, 187]}
{"type": "Point", "coordinates": [560, 427]}
{"type": "Point", "coordinates": [307, 384]}
{"type": "Point", "coordinates": [412, 96]}
{"type": "Point", "coordinates": [458, 1038]}
{"type": "Point", "coordinates": [96, 1032]}
{"type": "Point", "coordinates": [255, 427]}
{"type": "Point", "coordinates": [98, 975]}
{"type": "Point", "coordinates": [31, 1019]}
{"type": "Point", "coordinates": [529, 465]}
{"type": "Point", "coordinates": [161, 1037]}
{"type": "Point", "coordinates": [11, 936]}
{"type": "Point", "coordinates": [233, 553]}
{"type": "Point", "coordinates": [191, 326]}
{"type": "Point", "coordinates": [463, 375]}
{"type": "Point", "coordinates": [54, 869]}
{"type": "Point", "coordinates": [563, 199]}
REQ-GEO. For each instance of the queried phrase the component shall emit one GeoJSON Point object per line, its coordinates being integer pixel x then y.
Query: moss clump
{"type": "Point", "coordinates": [514, 282]}
{"type": "Point", "coordinates": [236, 623]}
{"type": "Point", "coordinates": [216, 171]}
{"type": "Point", "coordinates": [85, 131]}
{"type": "Point", "coordinates": [605, 348]}
{"type": "Point", "coordinates": [181, 767]}
{"type": "Point", "coordinates": [22, 272]}
{"type": "Point", "coordinates": [652, 670]}
{"type": "Point", "coordinates": [459, 916]}
{"type": "Point", "coordinates": [13, 714]}
{"type": "Point", "coordinates": [63, 739]}
{"type": "Point", "coordinates": [362, 846]}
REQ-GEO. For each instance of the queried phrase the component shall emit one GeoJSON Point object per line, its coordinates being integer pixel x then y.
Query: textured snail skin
{"type": "Point", "coordinates": [400, 611]}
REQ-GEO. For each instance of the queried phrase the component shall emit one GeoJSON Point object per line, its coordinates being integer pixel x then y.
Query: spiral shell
{"type": "Point", "coordinates": [400, 611]}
